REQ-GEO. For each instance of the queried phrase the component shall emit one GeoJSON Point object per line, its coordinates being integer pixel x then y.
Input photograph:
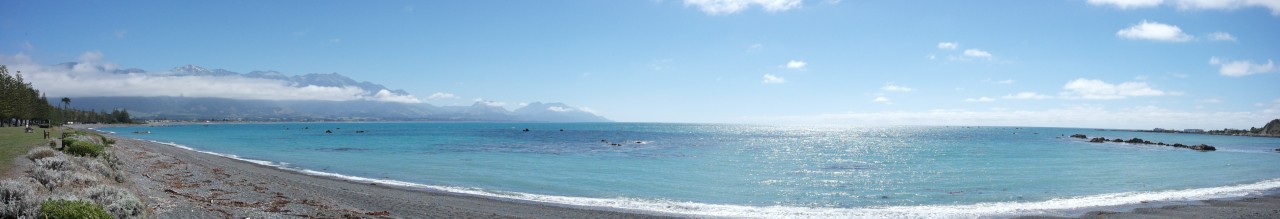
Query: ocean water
{"type": "Point", "coordinates": [759, 171]}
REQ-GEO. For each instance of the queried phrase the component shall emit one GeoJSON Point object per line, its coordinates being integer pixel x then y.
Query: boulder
{"type": "Point", "coordinates": [1203, 147]}
{"type": "Point", "coordinates": [1117, 140]}
{"type": "Point", "coordinates": [1080, 136]}
{"type": "Point", "coordinates": [1179, 145]}
{"type": "Point", "coordinates": [1134, 141]}
{"type": "Point", "coordinates": [1101, 139]}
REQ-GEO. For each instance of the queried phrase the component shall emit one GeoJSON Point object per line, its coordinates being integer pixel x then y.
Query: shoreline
{"type": "Point", "coordinates": [181, 183]}
{"type": "Point", "coordinates": [375, 199]}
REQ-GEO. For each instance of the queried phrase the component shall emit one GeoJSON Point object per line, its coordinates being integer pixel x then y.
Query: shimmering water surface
{"type": "Point", "coordinates": [745, 170]}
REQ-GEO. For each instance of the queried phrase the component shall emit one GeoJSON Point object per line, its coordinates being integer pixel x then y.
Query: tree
{"type": "Point", "coordinates": [65, 101]}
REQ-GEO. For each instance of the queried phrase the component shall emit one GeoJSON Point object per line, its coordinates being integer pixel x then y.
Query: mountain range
{"type": "Point", "coordinates": [216, 108]}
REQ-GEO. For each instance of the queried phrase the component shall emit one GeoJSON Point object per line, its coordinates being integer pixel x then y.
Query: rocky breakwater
{"type": "Point", "coordinates": [1200, 147]}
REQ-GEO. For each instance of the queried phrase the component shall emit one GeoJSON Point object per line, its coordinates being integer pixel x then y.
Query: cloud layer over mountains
{"type": "Point", "coordinates": [91, 76]}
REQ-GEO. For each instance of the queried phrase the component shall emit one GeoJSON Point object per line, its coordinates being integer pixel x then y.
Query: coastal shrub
{"type": "Point", "coordinates": [107, 171]}
{"type": "Point", "coordinates": [53, 179]}
{"type": "Point", "coordinates": [18, 200]}
{"type": "Point", "coordinates": [59, 163]}
{"type": "Point", "coordinates": [67, 141]}
{"type": "Point", "coordinates": [120, 202]}
{"type": "Point", "coordinates": [38, 153]}
{"type": "Point", "coordinates": [84, 148]}
{"type": "Point", "coordinates": [106, 141]}
{"type": "Point", "coordinates": [100, 168]}
{"type": "Point", "coordinates": [57, 209]}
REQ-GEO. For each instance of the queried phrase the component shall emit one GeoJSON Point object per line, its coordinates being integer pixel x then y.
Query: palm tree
{"type": "Point", "coordinates": [65, 101]}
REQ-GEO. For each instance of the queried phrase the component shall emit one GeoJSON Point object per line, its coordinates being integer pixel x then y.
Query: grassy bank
{"type": "Point", "coordinates": [14, 143]}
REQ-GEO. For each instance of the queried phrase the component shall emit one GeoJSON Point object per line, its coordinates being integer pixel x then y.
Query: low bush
{"type": "Point", "coordinates": [107, 171]}
{"type": "Point", "coordinates": [53, 179]}
{"type": "Point", "coordinates": [18, 200]}
{"type": "Point", "coordinates": [67, 141]}
{"type": "Point", "coordinates": [83, 148]}
{"type": "Point", "coordinates": [120, 202]}
{"type": "Point", "coordinates": [107, 141]}
{"type": "Point", "coordinates": [36, 154]}
{"type": "Point", "coordinates": [55, 162]}
{"type": "Point", "coordinates": [57, 209]}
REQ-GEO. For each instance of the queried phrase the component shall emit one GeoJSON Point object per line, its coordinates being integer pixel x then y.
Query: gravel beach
{"type": "Point", "coordinates": [179, 183]}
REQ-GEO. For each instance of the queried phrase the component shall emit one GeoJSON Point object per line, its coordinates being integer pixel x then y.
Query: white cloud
{"type": "Point", "coordinates": [1101, 90]}
{"type": "Point", "coordinates": [335, 40]}
{"type": "Point", "coordinates": [796, 64]}
{"type": "Point", "coordinates": [1150, 30]}
{"type": "Point", "coordinates": [490, 102]}
{"type": "Point", "coordinates": [91, 77]}
{"type": "Point", "coordinates": [386, 96]}
{"type": "Point", "coordinates": [1090, 116]}
{"type": "Point", "coordinates": [1211, 100]}
{"type": "Point", "coordinates": [560, 109]}
{"type": "Point", "coordinates": [1221, 36]}
{"type": "Point", "coordinates": [723, 7]}
{"type": "Point", "coordinates": [980, 99]}
{"type": "Point", "coordinates": [882, 99]}
{"type": "Point", "coordinates": [1272, 5]}
{"type": "Point", "coordinates": [893, 87]}
{"type": "Point", "coordinates": [1128, 4]}
{"type": "Point", "coordinates": [948, 45]}
{"type": "Point", "coordinates": [121, 33]}
{"type": "Point", "coordinates": [1241, 68]}
{"type": "Point", "coordinates": [28, 46]}
{"type": "Point", "coordinates": [442, 95]}
{"type": "Point", "coordinates": [771, 79]}
{"type": "Point", "coordinates": [977, 53]}
{"type": "Point", "coordinates": [755, 47]}
{"type": "Point", "coordinates": [1025, 96]}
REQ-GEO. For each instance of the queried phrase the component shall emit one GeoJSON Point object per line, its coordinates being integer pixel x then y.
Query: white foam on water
{"type": "Point", "coordinates": [1056, 207]}
{"type": "Point", "coordinates": [102, 131]}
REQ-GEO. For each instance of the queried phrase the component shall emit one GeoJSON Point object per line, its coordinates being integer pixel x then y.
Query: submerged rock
{"type": "Point", "coordinates": [1080, 136]}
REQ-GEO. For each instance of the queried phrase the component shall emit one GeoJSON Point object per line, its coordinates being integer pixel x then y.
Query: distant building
{"type": "Point", "coordinates": [1160, 130]}
{"type": "Point", "coordinates": [1193, 130]}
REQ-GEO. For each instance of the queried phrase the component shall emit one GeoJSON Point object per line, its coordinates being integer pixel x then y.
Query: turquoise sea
{"type": "Point", "coordinates": [717, 170]}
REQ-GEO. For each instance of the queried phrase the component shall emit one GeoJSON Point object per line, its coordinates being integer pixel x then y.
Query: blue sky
{"type": "Point", "coordinates": [1097, 63]}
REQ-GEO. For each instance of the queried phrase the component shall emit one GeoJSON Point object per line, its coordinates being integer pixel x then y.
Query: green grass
{"type": "Point", "coordinates": [14, 143]}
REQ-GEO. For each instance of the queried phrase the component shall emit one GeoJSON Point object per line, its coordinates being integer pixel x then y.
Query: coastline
{"type": "Point", "coordinates": [181, 183]}
{"type": "Point", "coordinates": [310, 195]}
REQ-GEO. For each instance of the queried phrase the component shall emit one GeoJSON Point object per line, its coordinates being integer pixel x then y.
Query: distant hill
{"type": "Point", "coordinates": [366, 108]}
{"type": "Point", "coordinates": [205, 108]}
